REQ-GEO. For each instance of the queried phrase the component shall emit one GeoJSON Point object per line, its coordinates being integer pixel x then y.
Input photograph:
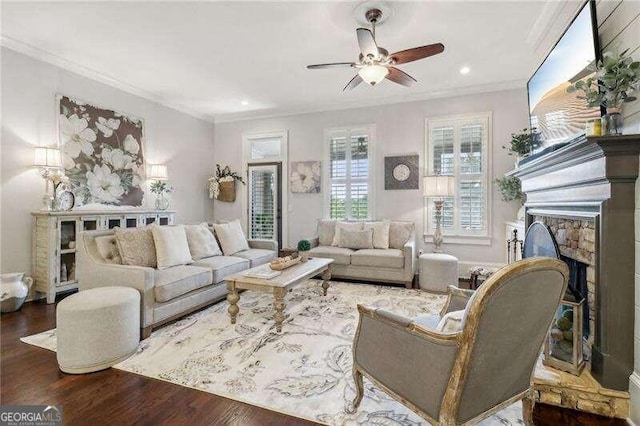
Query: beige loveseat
{"type": "Point", "coordinates": [396, 264]}
{"type": "Point", "coordinates": [167, 294]}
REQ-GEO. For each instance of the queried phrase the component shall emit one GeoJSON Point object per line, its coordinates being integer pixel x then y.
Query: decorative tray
{"type": "Point", "coordinates": [282, 263]}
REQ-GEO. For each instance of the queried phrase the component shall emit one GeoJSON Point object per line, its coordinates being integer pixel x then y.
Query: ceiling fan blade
{"type": "Point", "coordinates": [367, 43]}
{"type": "Point", "coordinates": [353, 83]}
{"type": "Point", "coordinates": [332, 65]}
{"type": "Point", "coordinates": [416, 53]}
{"type": "Point", "coordinates": [400, 77]}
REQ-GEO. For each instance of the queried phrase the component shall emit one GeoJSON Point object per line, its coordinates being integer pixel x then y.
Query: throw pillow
{"type": "Point", "coordinates": [351, 226]}
{"type": "Point", "coordinates": [326, 231]}
{"type": "Point", "coordinates": [356, 239]}
{"type": "Point", "coordinates": [399, 234]}
{"type": "Point", "coordinates": [136, 247]}
{"type": "Point", "coordinates": [108, 249]}
{"type": "Point", "coordinates": [201, 241]}
{"type": "Point", "coordinates": [451, 322]}
{"type": "Point", "coordinates": [172, 248]}
{"type": "Point", "coordinates": [380, 233]}
{"type": "Point", "coordinates": [232, 239]}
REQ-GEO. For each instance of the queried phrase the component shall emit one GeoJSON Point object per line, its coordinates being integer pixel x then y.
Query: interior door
{"type": "Point", "coordinates": [265, 201]}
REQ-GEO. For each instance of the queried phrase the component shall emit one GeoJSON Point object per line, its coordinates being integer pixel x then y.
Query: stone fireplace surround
{"type": "Point", "coordinates": [585, 192]}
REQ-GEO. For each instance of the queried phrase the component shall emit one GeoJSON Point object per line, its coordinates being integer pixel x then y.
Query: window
{"type": "Point", "coordinates": [348, 173]}
{"type": "Point", "coordinates": [459, 146]}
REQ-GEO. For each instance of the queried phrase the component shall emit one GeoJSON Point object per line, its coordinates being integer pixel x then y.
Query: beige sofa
{"type": "Point", "coordinates": [397, 264]}
{"type": "Point", "coordinates": [170, 293]}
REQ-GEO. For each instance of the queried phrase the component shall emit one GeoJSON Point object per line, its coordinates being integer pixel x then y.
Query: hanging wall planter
{"type": "Point", "coordinates": [227, 191]}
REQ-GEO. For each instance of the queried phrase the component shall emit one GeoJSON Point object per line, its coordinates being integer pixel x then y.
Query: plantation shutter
{"type": "Point", "coordinates": [263, 205]}
{"type": "Point", "coordinates": [349, 174]}
{"type": "Point", "coordinates": [458, 147]}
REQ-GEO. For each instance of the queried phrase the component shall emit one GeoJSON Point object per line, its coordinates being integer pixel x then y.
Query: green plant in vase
{"type": "Point", "coordinates": [511, 190]}
{"type": "Point", "coordinates": [523, 143]}
{"type": "Point", "coordinates": [160, 188]}
{"type": "Point", "coordinates": [303, 249]}
{"type": "Point", "coordinates": [616, 77]}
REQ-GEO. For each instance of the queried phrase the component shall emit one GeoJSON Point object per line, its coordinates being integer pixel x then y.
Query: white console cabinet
{"type": "Point", "coordinates": [53, 249]}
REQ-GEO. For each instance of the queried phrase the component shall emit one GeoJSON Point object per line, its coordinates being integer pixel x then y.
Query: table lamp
{"type": "Point", "coordinates": [439, 187]}
{"type": "Point", "coordinates": [48, 161]}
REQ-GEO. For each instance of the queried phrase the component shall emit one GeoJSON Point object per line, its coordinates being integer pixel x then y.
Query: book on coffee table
{"type": "Point", "coordinates": [265, 274]}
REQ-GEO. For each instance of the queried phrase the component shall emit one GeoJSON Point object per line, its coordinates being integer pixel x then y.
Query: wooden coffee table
{"type": "Point", "coordinates": [278, 286]}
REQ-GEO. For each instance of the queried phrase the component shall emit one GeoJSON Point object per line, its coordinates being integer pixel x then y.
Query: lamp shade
{"type": "Point", "coordinates": [47, 157]}
{"type": "Point", "coordinates": [439, 186]}
{"type": "Point", "coordinates": [157, 172]}
{"type": "Point", "coordinates": [373, 74]}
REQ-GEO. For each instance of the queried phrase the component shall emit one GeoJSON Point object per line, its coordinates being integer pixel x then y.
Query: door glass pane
{"type": "Point", "coordinates": [262, 203]}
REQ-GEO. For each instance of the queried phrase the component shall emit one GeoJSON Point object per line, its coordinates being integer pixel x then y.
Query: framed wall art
{"type": "Point", "coordinates": [103, 153]}
{"type": "Point", "coordinates": [401, 172]}
{"type": "Point", "coordinates": [305, 177]}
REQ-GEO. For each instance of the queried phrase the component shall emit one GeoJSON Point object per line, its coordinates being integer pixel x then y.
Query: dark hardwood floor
{"type": "Point", "coordinates": [30, 375]}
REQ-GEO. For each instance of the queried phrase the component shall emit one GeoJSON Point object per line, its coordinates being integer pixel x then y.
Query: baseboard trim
{"type": "Point", "coordinates": [634, 399]}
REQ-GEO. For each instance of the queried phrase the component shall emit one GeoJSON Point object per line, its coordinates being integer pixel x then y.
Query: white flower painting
{"type": "Point", "coordinates": [305, 177]}
{"type": "Point", "coordinates": [102, 153]}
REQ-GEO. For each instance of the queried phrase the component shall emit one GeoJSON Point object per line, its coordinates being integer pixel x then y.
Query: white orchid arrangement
{"type": "Point", "coordinates": [222, 175]}
{"type": "Point", "coordinates": [95, 151]}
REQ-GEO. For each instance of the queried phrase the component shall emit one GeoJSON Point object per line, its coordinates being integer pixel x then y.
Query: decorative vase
{"type": "Point", "coordinates": [161, 202]}
{"type": "Point", "coordinates": [521, 213]}
{"type": "Point", "coordinates": [612, 122]}
{"type": "Point", "coordinates": [13, 291]}
{"type": "Point", "coordinates": [304, 255]}
{"type": "Point", "coordinates": [227, 191]}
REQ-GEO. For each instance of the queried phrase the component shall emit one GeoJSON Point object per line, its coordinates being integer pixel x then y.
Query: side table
{"type": "Point", "coordinates": [478, 272]}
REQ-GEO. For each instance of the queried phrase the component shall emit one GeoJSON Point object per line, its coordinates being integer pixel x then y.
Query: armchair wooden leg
{"type": "Point", "coordinates": [527, 409]}
{"type": "Point", "coordinates": [408, 284]}
{"type": "Point", "coordinates": [357, 378]}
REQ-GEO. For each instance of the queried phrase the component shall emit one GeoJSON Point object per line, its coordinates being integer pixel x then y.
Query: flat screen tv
{"type": "Point", "coordinates": [556, 115]}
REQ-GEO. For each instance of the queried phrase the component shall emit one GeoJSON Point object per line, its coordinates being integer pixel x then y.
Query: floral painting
{"type": "Point", "coordinates": [305, 177]}
{"type": "Point", "coordinates": [102, 153]}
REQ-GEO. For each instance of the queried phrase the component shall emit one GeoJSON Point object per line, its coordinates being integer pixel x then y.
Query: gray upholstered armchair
{"type": "Point", "coordinates": [464, 376]}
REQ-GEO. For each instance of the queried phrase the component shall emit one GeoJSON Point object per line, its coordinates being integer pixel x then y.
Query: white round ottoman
{"type": "Point", "coordinates": [438, 271]}
{"type": "Point", "coordinates": [97, 328]}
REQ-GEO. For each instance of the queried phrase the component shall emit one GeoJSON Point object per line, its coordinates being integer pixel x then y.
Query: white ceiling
{"type": "Point", "coordinates": [206, 58]}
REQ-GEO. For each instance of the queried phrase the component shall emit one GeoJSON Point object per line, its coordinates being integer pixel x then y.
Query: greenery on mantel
{"type": "Point", "coordinates": [616, 77]}
{"type": "Point", "coordinates": [523, 143]}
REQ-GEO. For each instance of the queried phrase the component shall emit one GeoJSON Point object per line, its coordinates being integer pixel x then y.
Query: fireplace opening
{"type": "Point", "coordinates": [540, 241]}
{"type": "Point", "coordinates": [577, 289]}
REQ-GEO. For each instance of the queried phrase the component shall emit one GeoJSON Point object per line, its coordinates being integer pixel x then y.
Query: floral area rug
{"type": "Point", "coordinates": [305, 371]}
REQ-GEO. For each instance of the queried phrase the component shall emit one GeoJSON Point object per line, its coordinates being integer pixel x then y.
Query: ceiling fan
{"type": "Point", "coordinates": [375, 63]}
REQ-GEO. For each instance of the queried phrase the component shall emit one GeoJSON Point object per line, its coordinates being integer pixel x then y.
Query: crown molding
{"type": "Point", "coordinates": [553, 20]}
{"type": "Point", "coordinates": [438, 94]}
{"type": "Point", "coordinates": [92, 74]}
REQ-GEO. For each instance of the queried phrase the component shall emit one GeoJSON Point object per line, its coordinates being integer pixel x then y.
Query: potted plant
{"type": "Point", "coordinates": [222, 186]}
{"type": "Point", "coordinates": [523, 143]}
{"type": "Point", "coordinates": [511, 190]}
{"type": "Point", "coordinates": [303, 249]}
{"type": "Point", "coordinates": [616, 77]}
{"type": "Point", "coordinates": [160, 188]}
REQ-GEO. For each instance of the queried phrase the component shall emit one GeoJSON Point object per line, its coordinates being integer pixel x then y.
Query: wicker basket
{"type": "Point", "coordinates": [227, 191]}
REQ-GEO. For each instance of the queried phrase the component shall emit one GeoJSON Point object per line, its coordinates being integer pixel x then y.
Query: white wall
{"type": "Point", "coordinates": [29, 87]}
{"type": "Point", "coordinates": [399, 130]}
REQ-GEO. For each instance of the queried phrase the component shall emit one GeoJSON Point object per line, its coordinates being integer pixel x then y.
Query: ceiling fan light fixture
{"type": "Point", "coordinates": [373, 74]}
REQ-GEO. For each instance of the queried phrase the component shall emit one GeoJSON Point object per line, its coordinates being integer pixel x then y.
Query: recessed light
{"type": "Point", "coordinates": [244, 103]}
{"type": "Point", "coordinates": [464, 70]}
